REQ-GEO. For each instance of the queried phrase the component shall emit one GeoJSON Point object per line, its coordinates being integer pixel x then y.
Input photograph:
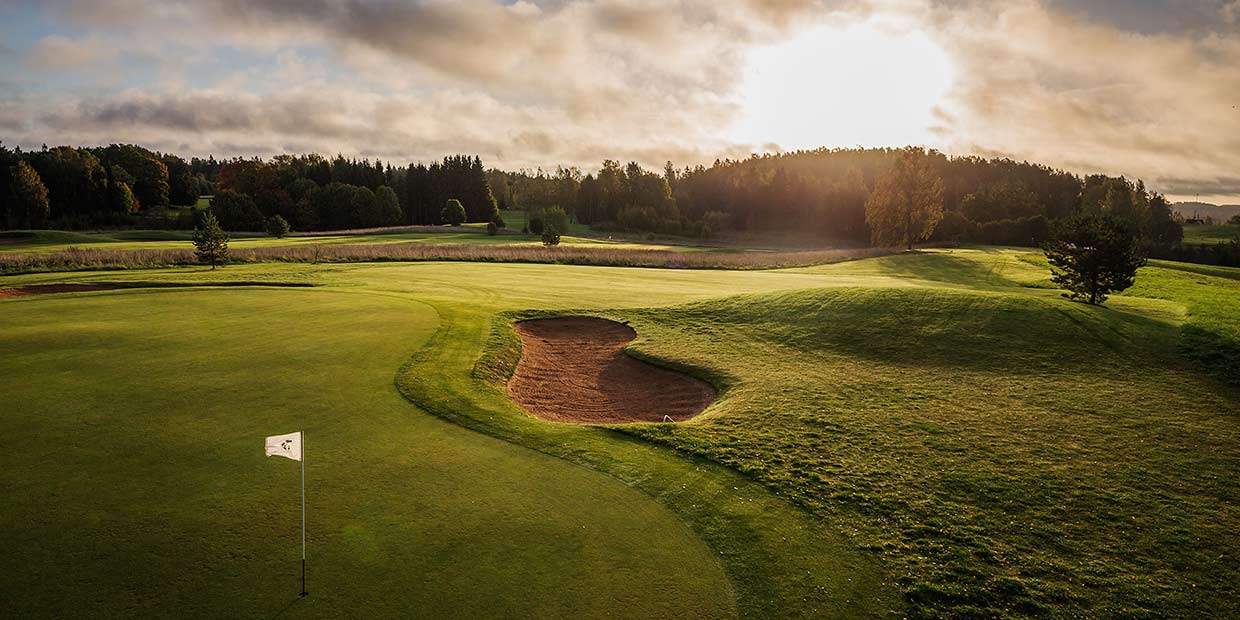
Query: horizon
{"type": "Point", "coordinates": [1095, 87]}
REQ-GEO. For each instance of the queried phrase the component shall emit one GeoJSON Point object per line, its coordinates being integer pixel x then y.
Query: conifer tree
{"type": "Point", "coordinates": [210, 241]}
{"type": "Point", "coordinates": [1093, 255]}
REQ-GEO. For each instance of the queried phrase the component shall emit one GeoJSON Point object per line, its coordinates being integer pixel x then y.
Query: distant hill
{"type": "Point", "coordinates": [1220, 213]}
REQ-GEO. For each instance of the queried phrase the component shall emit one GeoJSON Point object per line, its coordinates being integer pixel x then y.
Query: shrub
{"type": "Point", "coordinates": [277, 226]}
{"type": "Point", "coordinates": [499, 222]}
{"type": "Point", "coordinates": [453, 213]}
{"type": "Point", "coordinates": [535, 224]}
{"type": "Point", "coordinates": [550, 236]}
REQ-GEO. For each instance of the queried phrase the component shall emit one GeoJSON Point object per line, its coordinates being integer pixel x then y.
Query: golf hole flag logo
{"type": "Point", "coordinates": [287, 446]}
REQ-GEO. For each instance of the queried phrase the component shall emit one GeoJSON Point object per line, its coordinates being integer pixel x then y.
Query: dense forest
{"type": "Point", "coordinates": [821, 192]}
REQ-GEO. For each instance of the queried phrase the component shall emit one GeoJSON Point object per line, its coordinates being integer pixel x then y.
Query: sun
{"type": "Point", "coordinates": [843, 86]}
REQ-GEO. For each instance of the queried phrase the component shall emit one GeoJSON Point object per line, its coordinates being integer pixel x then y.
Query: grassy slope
{"type": "Point", "coordinates": [57, 241]}
{"type": "Point", "coordinates": [1210, 233]}
{"type": "Point", "coordinates": [1010, 452]}
{"type": "Point", "coordinates": [954, 482]}
{"type": "Point", "coordinates": [134, 483]}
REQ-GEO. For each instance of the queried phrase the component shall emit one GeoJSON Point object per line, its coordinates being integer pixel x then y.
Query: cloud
{"type": "Point", "coordinates": [1231, 12]}
{"type": "Point", "coordinates": [58, 53]}
{"type": "Point", "coordinates": [1036, 83]}
{"type": "Point", "coordinates": [392, 127]}
{"type": "Point", "coordinates": [1145, 89]}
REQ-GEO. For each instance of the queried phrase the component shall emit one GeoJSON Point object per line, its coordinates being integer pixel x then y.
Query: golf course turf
{"type": "Point", "coordinates": [930, 434]}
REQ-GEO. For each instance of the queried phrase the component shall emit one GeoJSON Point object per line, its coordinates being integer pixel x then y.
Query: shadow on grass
{"type": "Point", "coordinates": [287, 607]}
{"type": "Point", "coordinates": [948, 268]}
{"type": "Point", "coordinates": [1007, 333]}
{"type": "Point", "coordinates": [1220, 355]}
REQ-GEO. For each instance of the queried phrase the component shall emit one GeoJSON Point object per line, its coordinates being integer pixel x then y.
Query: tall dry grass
{"type": "Point", "coordinates": [79, 259]}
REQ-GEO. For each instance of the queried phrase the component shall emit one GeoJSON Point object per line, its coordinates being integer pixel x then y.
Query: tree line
{"type": "Point", "coordinates": [822, 192]}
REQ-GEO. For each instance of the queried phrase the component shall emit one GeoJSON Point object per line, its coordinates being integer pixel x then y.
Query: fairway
{"type": "Point", "coordinates": [135, 483]}
{"type": "Point", "coordinates": [610, 309]}
{"type": "Point", "coordinates": [927, 434]}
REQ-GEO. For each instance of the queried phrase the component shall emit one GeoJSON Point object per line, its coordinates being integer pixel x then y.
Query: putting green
{"type": "Point", "coordinates": [135, 483]}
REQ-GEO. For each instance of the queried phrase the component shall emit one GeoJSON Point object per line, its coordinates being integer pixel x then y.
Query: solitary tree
{"type": "Point", "coordinates": [277, 226]}
{"type": "Point", "coordinates": [1092, 255]}
{"type": "Point", "coordinates": [907, 202]}
{"type": "Point", "coordinates": [210, 241]}
{"type": "Point", "coordinates": [453, 213]}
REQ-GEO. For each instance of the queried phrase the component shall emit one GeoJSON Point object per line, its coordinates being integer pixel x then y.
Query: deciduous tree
{"type": "Point", "coordinates": [30, 205]}
{"type": "Point", "coordinates": [453, 213]}
{"type": "Point", "coordinates": [277, 226]}
{"type": "Point", "coordinates": [907, 202]}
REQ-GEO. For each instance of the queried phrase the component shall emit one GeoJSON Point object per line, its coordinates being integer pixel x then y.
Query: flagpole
{"type": "Point", "coordinates": [303, 515]}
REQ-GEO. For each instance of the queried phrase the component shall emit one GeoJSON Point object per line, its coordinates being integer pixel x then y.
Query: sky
{"type": "Point", "coordinates": [1143, 88]}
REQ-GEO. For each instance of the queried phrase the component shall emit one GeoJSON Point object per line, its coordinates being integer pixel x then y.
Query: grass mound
{"type": "Point", "coordinates": [1011, 454]}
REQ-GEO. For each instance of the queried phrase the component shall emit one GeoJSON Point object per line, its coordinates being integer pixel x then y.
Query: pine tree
{"type": "Point", "coordinates": [1093, 255]}
{"type": "Point", "coordinates": [210, 241]}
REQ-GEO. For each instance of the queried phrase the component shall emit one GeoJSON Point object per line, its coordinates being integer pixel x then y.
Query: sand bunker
{"type": "Point", "coordinates": [574, 369]}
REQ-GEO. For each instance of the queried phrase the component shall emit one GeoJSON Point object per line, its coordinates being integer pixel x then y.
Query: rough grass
{"type": "Point", "coordinates": [1210, 233]}
{"type": "Point", "coordinates": [78, 259]}
{"type": "Point", "coordinates": [1012, 454]}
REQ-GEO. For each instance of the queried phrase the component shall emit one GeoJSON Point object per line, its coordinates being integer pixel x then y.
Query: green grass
{"type": "Point", "coordinates": [931, 434]}
{"type": "Point", "coordinates": [1210, 233]}
{"type": "Point", "coordinates": [134, 482]}
{"type": "Point", "coordinates": [515, 219]}
{"type": "Point", "coordinates": [1010, 453]}
{"type": "Point", "coordinates": [58, 241]}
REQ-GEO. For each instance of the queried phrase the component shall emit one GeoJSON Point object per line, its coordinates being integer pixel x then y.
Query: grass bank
{"type": "Point", "coordinates": [79, 259]}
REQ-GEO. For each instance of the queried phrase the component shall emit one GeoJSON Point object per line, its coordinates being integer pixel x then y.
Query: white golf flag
{"type": "Point", "coordinates": [287, 446]}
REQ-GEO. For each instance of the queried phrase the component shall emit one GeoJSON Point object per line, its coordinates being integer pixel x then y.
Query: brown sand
{"type": "Point", "coordinates": [574, 369]}
{"type": "Point", "coordinates": [42, 289]}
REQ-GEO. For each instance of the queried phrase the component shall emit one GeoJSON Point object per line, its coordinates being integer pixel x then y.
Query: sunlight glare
{"type": "Point", "coordinates": [830, 86]}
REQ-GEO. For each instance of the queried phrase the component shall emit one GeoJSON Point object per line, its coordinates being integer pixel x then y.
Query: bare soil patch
{"type": "Point", "coordinates": [574, 369]}
{"type": "Point", "coordinates": [43, 289]}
